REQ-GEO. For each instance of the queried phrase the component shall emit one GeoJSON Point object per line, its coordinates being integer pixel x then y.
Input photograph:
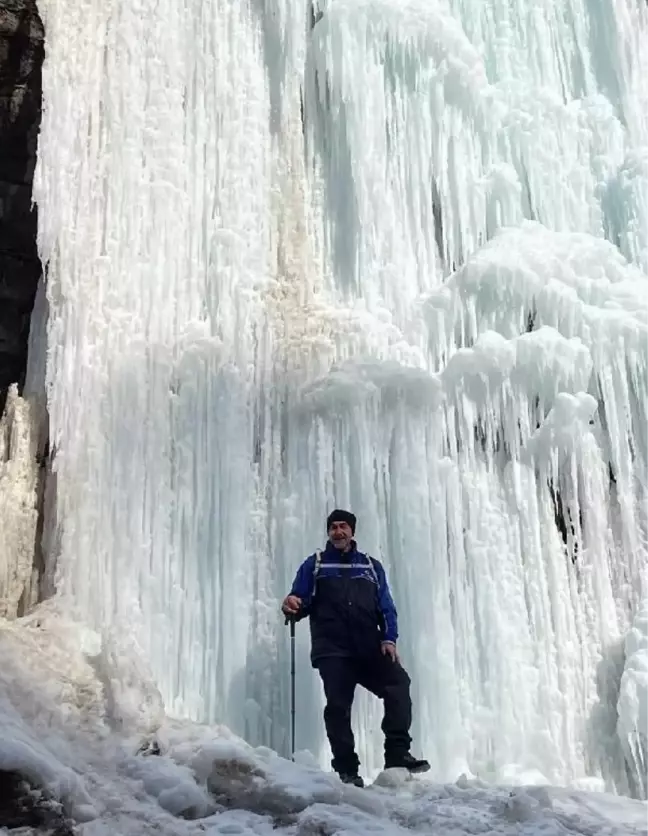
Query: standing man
{"type": "Point", "coordinates": [353, 642]}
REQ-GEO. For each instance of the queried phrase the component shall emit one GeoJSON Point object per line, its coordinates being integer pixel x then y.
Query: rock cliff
{"type": "Point", "coordinates": [21, 58]}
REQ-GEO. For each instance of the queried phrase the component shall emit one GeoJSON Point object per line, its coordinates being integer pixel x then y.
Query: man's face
{"type": "Point", "coordinates": [340, 535]}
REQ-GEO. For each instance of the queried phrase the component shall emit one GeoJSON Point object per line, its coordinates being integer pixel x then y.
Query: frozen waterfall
{"type": "Point", "coordinates": [389, 255]}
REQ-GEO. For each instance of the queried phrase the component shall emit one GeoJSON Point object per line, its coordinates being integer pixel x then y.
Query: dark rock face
{"type": "Point", "coordinates": [21, 58]}
{"type": "Point", "coordinates": [23, 806]}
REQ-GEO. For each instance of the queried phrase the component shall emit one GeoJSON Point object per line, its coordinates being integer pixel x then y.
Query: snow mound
{"type": "Point", "coordinates": [173, 785]}
{"type": "Point", "coordinates": [21, 752]}
{"type": "Point", "coordinates": [57, 730]}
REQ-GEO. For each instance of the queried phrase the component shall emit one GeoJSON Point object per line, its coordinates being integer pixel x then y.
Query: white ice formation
{"type": "Point", "coordinates": [389, 255]}
{"type": "Point", "coordinates": [71, 736]}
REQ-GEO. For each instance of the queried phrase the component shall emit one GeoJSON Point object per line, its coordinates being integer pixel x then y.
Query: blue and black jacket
{"type": "Point", "coordinates": [347, 598]}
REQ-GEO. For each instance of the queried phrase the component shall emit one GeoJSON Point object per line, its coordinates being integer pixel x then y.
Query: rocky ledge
{"type": "Point", "coordinates": [24, 806]}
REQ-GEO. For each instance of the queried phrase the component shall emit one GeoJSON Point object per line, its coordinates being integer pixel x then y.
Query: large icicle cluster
{"type": "Point", "coordinates": [389, 255]}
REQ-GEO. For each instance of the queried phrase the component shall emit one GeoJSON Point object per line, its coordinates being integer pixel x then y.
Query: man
{"type": "Point", "coordinates": [353, 642]}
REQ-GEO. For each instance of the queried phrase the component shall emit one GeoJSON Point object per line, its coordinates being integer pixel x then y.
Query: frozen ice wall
{"type": "Point", "coordinates": [388, 255]}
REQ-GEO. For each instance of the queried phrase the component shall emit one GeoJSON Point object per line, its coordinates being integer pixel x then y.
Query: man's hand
{"type": "Point", "coordinates": [291, 605]}
{"type": "Point", "coordinates": [389, 649]}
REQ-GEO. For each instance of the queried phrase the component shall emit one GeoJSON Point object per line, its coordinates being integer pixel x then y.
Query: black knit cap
{"type": "Point", "coordinates": [341, 516]}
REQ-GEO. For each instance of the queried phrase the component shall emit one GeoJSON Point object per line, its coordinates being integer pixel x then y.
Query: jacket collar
{"type": "Point", "coordinates": [331, 551]}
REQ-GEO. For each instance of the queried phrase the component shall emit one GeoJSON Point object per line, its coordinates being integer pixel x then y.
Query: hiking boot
{"type": "Point", "coordinates": [406, 761]}
{"type": "Point", "coordinates": [351, 778]}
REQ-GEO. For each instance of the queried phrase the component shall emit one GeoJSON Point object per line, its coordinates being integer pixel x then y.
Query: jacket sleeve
{"type": "Point", "coordinates": [386, 604]}
{"type": "Point", "coordinates": [303, 584]}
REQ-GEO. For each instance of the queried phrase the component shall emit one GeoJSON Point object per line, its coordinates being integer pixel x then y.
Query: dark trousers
{"type": "Point", "coordinates": [387, 680]}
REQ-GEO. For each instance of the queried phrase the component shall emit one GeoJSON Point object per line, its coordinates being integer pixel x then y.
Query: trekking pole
{"type": "Point", "coordinates": [291, 621]}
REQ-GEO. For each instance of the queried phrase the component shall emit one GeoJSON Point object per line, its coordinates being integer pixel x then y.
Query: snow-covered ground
{"type": "Point", "coordinates": [76, 708]}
